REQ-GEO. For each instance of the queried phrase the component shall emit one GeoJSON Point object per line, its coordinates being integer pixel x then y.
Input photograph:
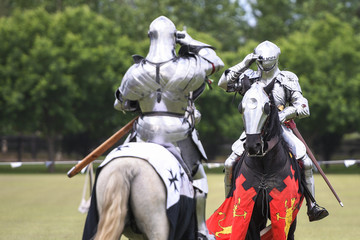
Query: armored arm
{"type": "Point", "coordinates": [230, 78]}
{"type": "Point", "coordinates": [126, 95]}
{"type": "Point", "coordinates": [298, 105]}
{"type": "Point", "coordinates": [205, 51]}
{"type": "Point", "coordinates": [125, 105]}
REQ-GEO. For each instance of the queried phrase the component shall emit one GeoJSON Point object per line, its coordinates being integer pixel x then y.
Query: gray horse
{"type": "Point", "coordinates": [131, 182]}
{"type": "Point", "coordinates": [141, 192]}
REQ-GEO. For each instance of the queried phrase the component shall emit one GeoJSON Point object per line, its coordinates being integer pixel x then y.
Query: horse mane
{"type": "Point", "coordinates": [273, 127]}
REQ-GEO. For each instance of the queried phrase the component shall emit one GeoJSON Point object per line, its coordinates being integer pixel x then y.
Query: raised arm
{"type": "Point", "coordinates": [229, 80]}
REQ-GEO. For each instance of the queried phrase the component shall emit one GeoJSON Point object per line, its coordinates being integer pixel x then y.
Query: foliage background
{"type": "Point", "coordinates": [61, 62]}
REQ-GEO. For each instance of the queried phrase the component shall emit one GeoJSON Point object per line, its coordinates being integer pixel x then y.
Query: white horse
{"type": "Point", "coordinates": [130, 182]}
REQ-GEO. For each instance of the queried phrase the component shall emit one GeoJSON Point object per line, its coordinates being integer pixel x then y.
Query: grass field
{"type": "Point", "coordinates": [44, 206]}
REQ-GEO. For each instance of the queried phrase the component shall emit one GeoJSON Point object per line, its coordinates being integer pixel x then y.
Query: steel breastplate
{"type": "Point", "coordinates": [279, 95]}
{"type": "Point", "coordinates": [278, 92]}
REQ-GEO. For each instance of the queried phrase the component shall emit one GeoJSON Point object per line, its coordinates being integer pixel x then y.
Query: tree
{"type": "Point", "coordinates": [308, 11]}
{"type": "Point", "coordinates": [224, 20]}
{"type": "Point", "coordinates": [325, 58]}
{"type": "Point", "coordinates": [58, 71]}
{"type": "Point", "coordinates": [274, 19]}
{"type": "Point", "coordinates": [60, 65]}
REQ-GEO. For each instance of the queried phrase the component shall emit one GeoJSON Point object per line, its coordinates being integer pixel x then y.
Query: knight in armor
{"type": "Point", "coordinates": [163, 87]}
{"type": "Point", "coordinates": [290, 101]}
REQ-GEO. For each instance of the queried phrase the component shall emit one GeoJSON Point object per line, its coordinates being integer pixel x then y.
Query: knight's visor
{"type": "Point", "coordinates": [266, 64]}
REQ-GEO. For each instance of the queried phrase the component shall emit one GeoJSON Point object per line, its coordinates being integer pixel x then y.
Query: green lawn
{"type": "Point", "coordinates": [44, 206]}
{"type": "Point", "coordinates": [40, 206]}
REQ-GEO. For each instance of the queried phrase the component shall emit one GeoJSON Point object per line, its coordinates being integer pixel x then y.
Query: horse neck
{"type": "Point", "coordinates": [276, 154]}
{"type": "Point", "coordinates": [273, 161]}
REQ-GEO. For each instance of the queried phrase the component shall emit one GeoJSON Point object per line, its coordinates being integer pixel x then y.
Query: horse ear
{"type": "Point", "coordinates": [267, 108]}
{"type": "Point", "coordinates": [269, 87]}
{"type": "Point", "coordinates": [246, 84]}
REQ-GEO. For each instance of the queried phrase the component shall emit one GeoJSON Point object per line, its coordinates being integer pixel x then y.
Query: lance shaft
{"type": "Point", "coordinates": [101, 149]}
{"type": "Point", "coordinates": [313, 159]}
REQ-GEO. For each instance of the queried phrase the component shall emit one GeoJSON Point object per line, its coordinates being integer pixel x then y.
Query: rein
{"type": "Point", "coordinates": [272, 143]}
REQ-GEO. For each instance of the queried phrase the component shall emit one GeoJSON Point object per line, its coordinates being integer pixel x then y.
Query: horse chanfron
{"type": "Point", "coordinates": [255, 108]}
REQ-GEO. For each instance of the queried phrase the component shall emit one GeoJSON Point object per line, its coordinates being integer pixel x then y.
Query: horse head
{"type": "Point", "coordinates": [256, 107]}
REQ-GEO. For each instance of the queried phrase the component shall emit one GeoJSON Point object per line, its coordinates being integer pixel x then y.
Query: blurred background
{"type": "Point", "coordinates": [61, 62]}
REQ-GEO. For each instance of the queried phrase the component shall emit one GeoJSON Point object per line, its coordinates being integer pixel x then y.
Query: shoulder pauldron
{"type": "Point", "coordinates": [289, 80]}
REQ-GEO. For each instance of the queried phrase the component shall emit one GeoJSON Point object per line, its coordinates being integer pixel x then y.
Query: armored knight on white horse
{"type": "Point", "coordinates": [164, 86]}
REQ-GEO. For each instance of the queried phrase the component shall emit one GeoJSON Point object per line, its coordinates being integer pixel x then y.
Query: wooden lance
{"type": "Point", "coordinates": [101, 149]}
{"type": "Point", "coordinates": [292, 125]}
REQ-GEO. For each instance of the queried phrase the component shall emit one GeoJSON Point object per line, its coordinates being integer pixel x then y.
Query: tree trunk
{"type": "Point", "coordinates": [329, 143]}
{"type": "Point", "coordinates": [20, 147]}
{"type": "Point", "coordinates": [33, 147]}
{"type": "Point", "coordinates": [59, 5]}
{"type": "Point", "coordinates": [51, 153]}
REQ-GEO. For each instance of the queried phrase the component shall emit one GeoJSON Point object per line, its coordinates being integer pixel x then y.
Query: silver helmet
{"type": "Point", "coordinates": [268, 54]}
{"type": "Point", "coordinates": [162, 33]}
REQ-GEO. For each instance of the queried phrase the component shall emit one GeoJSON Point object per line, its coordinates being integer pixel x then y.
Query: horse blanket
{"type": "Point", "coordinates": [180, 193]}
{"type": "Point", "coordinates": [282, 191]}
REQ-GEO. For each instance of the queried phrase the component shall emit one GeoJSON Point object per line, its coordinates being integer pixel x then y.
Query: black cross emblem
{"type": "Point", "coordinates": [173, 180]}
